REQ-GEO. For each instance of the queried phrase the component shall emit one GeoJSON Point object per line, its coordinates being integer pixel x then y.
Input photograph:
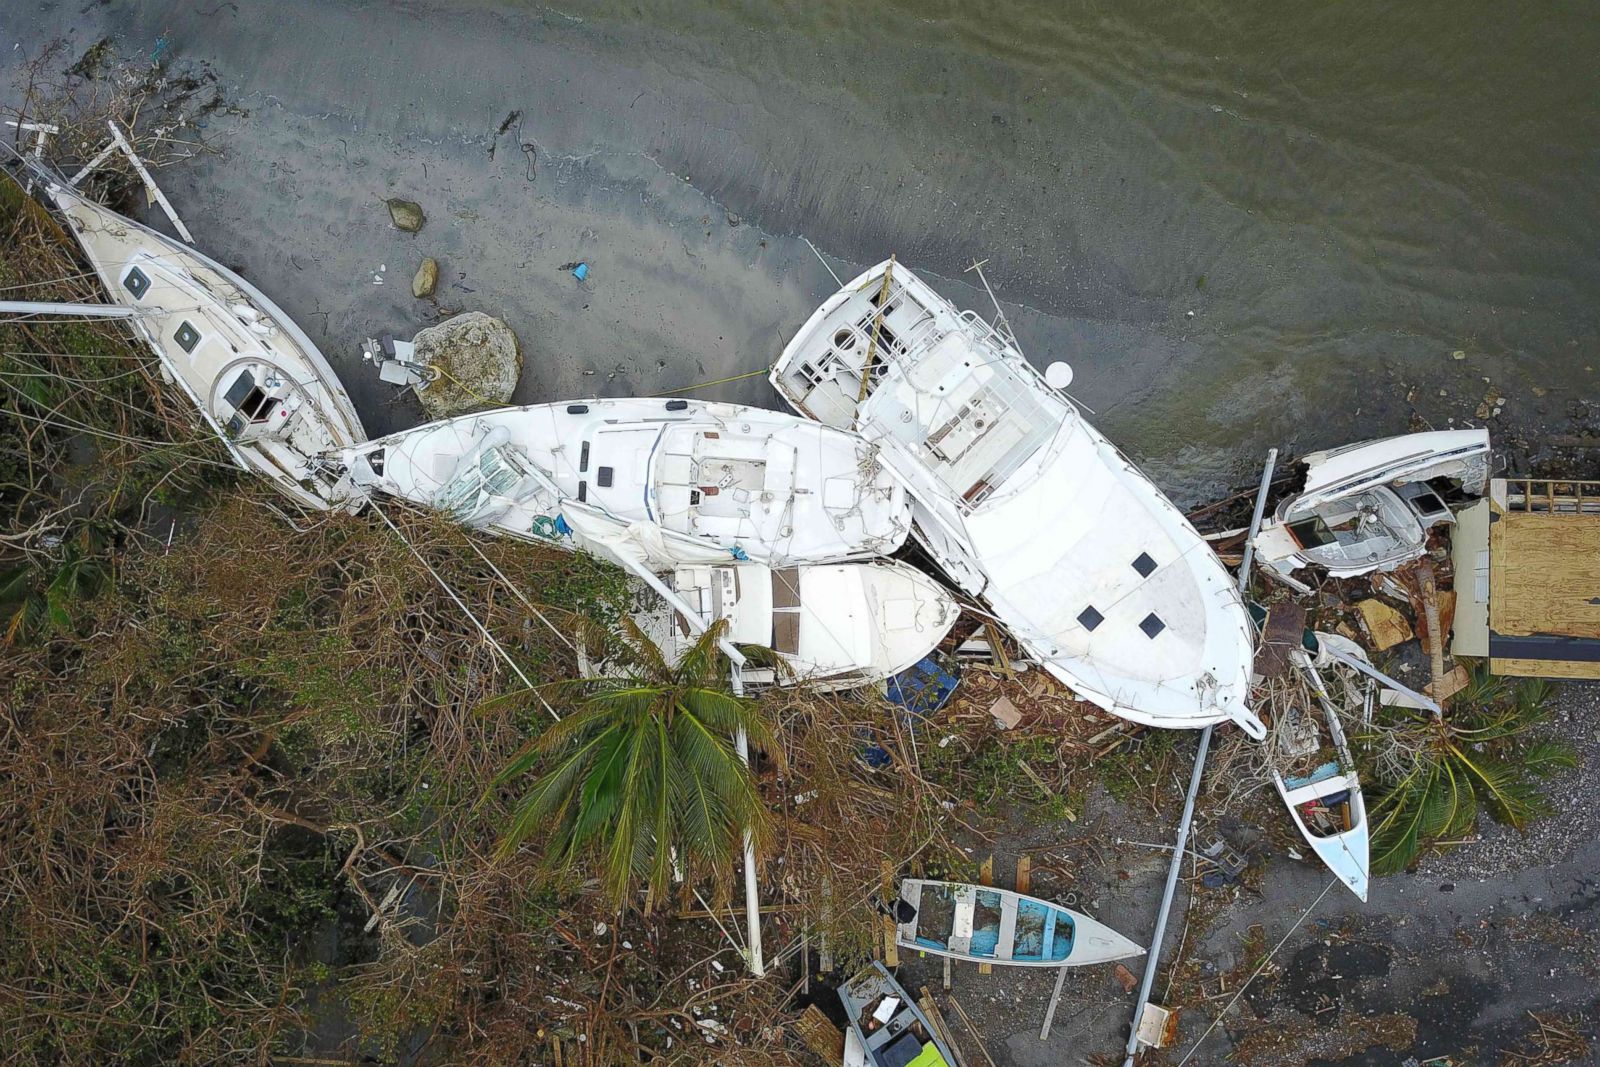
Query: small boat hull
{"type": "Point", "coordinates": [986, 925]}
{"type": "Point", "coordinates": [888, 1027]}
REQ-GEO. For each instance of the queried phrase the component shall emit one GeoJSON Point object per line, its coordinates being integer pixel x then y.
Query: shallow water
{"type": "Point", "coordinates": [1244, 224]}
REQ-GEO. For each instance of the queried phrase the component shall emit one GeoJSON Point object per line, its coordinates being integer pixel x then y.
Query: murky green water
{"type": "Point", "coordinates": [1342, 194]}
{"type": "Point", "coordinates": [1246, 224]}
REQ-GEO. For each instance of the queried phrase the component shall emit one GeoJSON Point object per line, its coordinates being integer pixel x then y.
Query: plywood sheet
{"type": "Point", "coordinates": [1544, 575]}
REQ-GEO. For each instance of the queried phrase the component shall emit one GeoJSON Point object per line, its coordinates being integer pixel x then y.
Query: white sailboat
{"type": "Point", "coordinates": [833, 626]}
{"type": "Point", "coordinates": [1368, 507]}
{"type": "Point", "coordinates": [692, 481]}
{"type": "Point", "coordinates": [253, 375]}
{"type": "Point", "coordinates": [1026, 505]}
{"type": "Point", "coordinates": [1326, 804]}
{"type": "Point", "coordinates": [987, 925]}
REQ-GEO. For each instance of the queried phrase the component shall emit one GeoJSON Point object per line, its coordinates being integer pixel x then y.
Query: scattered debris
{"type": "Point", "coordinates": [1386, 626]}
{"type": "Point", "coordinates": [426, 280]}
{"type": "Point", "coordinates": [406, 215]}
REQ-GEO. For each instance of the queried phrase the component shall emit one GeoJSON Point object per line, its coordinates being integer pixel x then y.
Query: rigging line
{"type": "Point", "coordinates": [1261, 967]}
{"type": "Point", "coordinates": [451, 593]}
{"type": "Point", "coordinates": [518, 593]}
{"type": "Point", "coordinates": [156, 445]}
{"type": "Point", "coordinates": [837, 280]}
{"type": "Point", "coordinates": [715, 381]}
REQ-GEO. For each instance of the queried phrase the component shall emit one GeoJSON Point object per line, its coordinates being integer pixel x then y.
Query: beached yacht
{"type": "Point", "coordinates": [1368, 507]}
{"type": "Point", "coordinates": [254, 376]}
{"type": "Point", "coordinates": [687, 475]}
{"type": "Point", "coordinates": [832, 625]}
{"type": "Point", "coordinates": [986, 925]}
{"type": "Point", "coordinates": [1026, 505]}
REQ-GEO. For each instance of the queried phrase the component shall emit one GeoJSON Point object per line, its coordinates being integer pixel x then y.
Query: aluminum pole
{"type": "Point", "coordinates": [1153, 958]}
{"type": "Point", "coordinates": [71, 311]}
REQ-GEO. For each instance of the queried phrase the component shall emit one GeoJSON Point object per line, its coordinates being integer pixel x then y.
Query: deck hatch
{"type": "Point", "coordinates": [1144, 565]}
{"type": "Point", "coordinates": [136, 282]}
{"type": "Point", "coordinates": [603, 476]}
{"type": "Point", "coordinates": [187, 336]}
{"type": "Point", "coordinates": [1089, 618]}
{"type": "Point", "coordinates": [1152, 625]}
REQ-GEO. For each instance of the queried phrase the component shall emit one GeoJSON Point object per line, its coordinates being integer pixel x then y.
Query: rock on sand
{"type": "Point", "coordinates": [406, 214]}
{"type": "Point", "coordinates": [426, 279]}
{"type": "Point", "coordinates": [479, 362]}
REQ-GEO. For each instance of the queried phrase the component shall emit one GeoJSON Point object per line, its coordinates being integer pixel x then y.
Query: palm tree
{"type": "Point", "coordinates": [1434, 774]}
{"type": "Point", "coordinates": [643, 775]}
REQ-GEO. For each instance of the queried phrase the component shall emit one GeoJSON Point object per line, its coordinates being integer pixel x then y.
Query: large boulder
{"type": "Point", "coordinates": [478, 362]}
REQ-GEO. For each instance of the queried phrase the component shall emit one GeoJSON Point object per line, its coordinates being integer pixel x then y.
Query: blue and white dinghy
{"type": "Point", "coordinates": [987, 925]}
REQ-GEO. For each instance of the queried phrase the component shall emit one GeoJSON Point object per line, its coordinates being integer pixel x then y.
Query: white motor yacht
{"type": "Point", "coordinates": [1026, 505]}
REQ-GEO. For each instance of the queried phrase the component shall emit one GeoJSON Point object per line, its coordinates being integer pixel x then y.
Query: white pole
{"type": "Point", "coordinates": [149, 182]}
{"type": "Point", "coordinates": [71, 311]}
{"type": "Point", "coordinates": [1152, 959]}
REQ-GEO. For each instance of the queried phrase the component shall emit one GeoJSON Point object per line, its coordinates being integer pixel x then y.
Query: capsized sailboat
{"type": "Point", "coordinates": [832, 626]}
{"type": "Point", "coordinates": [253, 375]}
{"type": "Point", "coordinates": [987, 925]}
{"type": "Point", "coordinates": [1326, 802]}
{"type": "Point", "coordinates": [686, 475]}
{"type": "Point", "coordinates": [889, 1029]}
{"type": "Point", "coordinates": [1026, 505]}
{"type": "Point", "coordinates": [1368, 507]}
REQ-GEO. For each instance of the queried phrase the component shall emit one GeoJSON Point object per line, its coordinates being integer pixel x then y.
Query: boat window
{"type": "Point", "coordinates": [786, 633]}
{"type": "Point", "coordinates": [583, 492]}
{"type": "Point", "coordinates": [1089, 618]}
{"type": "Point", "coordinates": [786, 588]}
{"type": "Point", "coordinates": [1144, 565]}
{"type": "Point", "coordinates": [1152, 625]}
{"type": "Point", "coordinates": [136, 282]}
{"type": "Point", "coordinates": [986, 923]}
{"type": "Point", "coordinates": [603, 477]}
{"type": "Point", "coordinates": [583, 458]}
{"type": "Point", "coordinates": [187, 336]}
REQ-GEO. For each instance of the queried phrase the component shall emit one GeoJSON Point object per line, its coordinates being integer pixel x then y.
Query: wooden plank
{"type": "Point", "coordinates": [986, 877]}
{"type": "Point", "coordinates": [818, 1034]}
{"type": "Point", "coordinates": [947, 969]}
{"type": "Point", "coordinates": [891, 948]}
{"type": "Point", "coordinates": [930, 1008]}
{"type": "Point", "coordinates": [886, 923]}
{"type": "Point", "coordinates": [1545, 668]}
{"type": "Point", "coordinates": [1386, 626]}
{"type": "Point", "coordinates": [1025, 873]}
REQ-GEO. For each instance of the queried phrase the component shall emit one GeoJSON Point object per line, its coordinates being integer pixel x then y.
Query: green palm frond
{"type": "Point", "coordinates": [642, 775]}
{"type": "Point", "coordinates": [1543, 758]}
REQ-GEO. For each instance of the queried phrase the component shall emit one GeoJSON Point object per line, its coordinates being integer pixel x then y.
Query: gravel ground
{"type": "Point", "coordinates": [1557, 838]}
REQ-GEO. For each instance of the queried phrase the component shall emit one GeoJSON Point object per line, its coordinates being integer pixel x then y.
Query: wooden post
{"type": "Point", "coordinates": [877, 328]}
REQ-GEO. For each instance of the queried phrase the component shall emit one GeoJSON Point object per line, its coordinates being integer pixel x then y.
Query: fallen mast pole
{"type": "Point", "coordinates": [1152, 959]}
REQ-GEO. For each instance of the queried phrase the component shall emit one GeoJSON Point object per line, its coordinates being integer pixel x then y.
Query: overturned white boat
{"type": "Point", "coordinates": [1025, 504]}
{"type": "Point", "coordinates": [1368, 507]}
{"type": "Point", "coordinates": [888, 1028]}
{"type": "Point", "coordinates": [831, 625]}
{"type": "Point", "coordinates": [986, 925]}
{"type": "Point", "coordinates": [684, 476]}
{"type": "Point", "coordinates": [254, 376]}
{"type": "Point", "coordinates": [1326, 803]}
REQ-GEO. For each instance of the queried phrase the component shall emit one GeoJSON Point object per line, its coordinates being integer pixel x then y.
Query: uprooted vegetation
{"type": "Point", "coordinates": [249, 752]}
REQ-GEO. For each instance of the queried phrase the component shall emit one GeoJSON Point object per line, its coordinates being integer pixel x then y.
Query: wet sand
{"type": "Point", "coordinates": [1241, 231]}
